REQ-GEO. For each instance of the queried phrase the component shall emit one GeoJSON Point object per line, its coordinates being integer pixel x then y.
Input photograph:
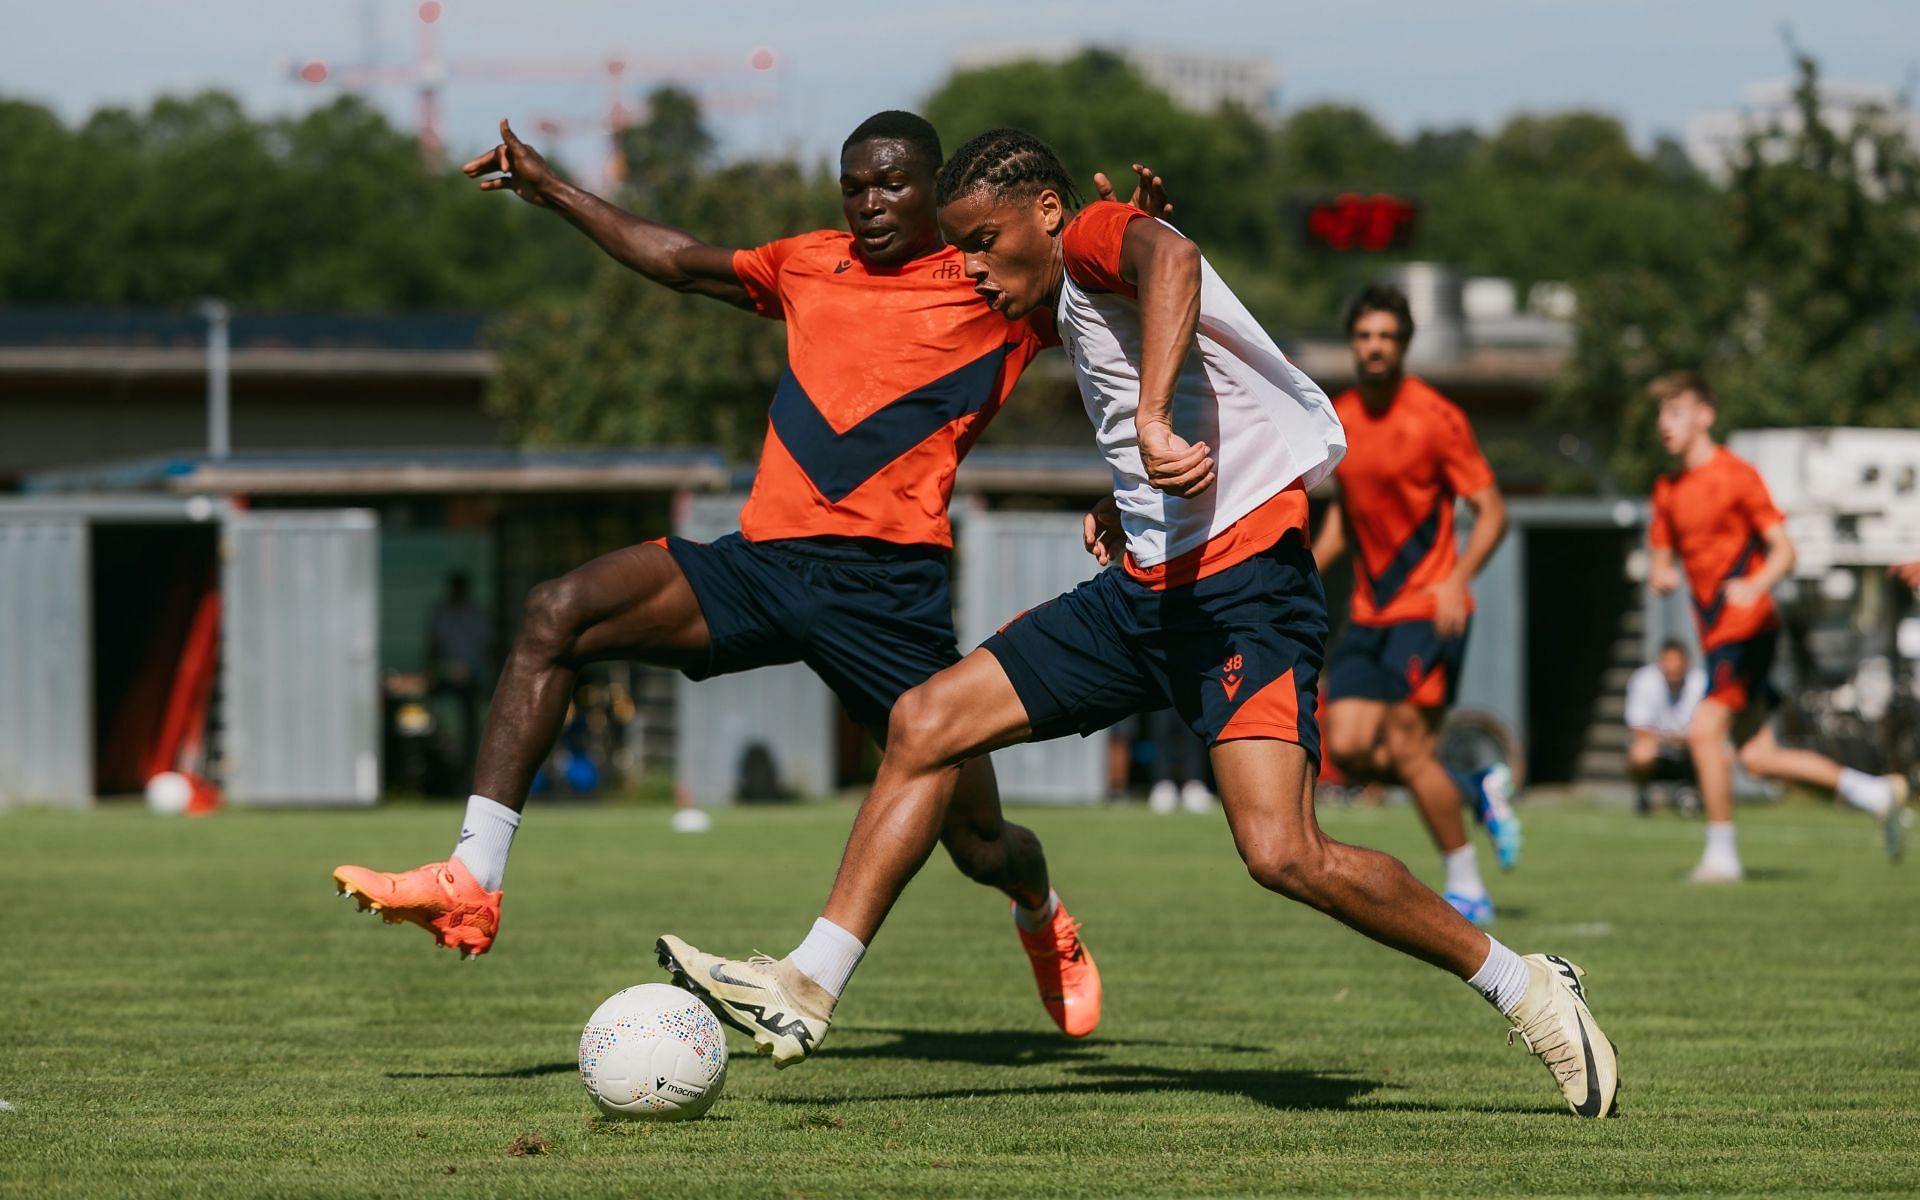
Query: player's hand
{"type": "Point", "coordinates": [528, 175]}
{"type": "Point", "coordinates": [1101, 532]}
{"type": "Point", "coordinates": [1149, 193]}
{"type": "Point", "coordinates": [1907, 573]}
{"type": "Point", "coordinates": [1743, 591]}
{"type": "Point", "coordinates": [1173, 465]}
{"type": "Point", "coordinates": [1663, 578]}
{"type": "Point", "coordinates": [1450, 608]}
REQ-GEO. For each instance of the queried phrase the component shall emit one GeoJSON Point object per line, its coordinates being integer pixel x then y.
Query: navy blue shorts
{"type": "Point", "coordinates": [1740, 674]}
{"type": "Point", "coordinates": [872, 619]}
{"type": "Point", "coordinates": [1405, 661]}
{"type": "Point", "coordinates": [1237, 654]}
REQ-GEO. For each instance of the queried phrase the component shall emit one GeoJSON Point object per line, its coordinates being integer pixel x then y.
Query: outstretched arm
{"type": "Point", "coordinates": [1165, 268]}
{"type": "Point", "coordinates": [662, 253]}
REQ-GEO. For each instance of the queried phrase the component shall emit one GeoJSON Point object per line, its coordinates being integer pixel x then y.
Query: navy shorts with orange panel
{"type": "Point", "coordinates": [1405, 661]}
{"type": "Point", "coordinates": [1739, 674]}
{"type": "Point", "coordinates": [871, 618]}
{"type": "Point", "coordinates": [1237, 653]}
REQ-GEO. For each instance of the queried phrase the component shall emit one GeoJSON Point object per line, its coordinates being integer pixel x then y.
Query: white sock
{"type": "Point", "coordinates": [1463, 872]}
{"type": "Point", "coordinates": [1033, 920]}
{"type": "Point", "coordinates": [486, 838]}
{"type": "Point", "coordinates": [1721, 852]}
{"type": "Point", "coordinates": [1869, 793]}
{"type": "Point", "coordinates": [828, 956]}
{"type": "Point", "coordinates": [1502, 979]}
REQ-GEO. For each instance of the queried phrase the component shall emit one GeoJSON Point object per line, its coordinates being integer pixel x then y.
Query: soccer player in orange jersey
{"type": "Point", "coordinates": [1410, 455]}
{"type": "Point", "coordinates": [894, 367]}
{"type": "Point", "coordinates": [1715, 515]}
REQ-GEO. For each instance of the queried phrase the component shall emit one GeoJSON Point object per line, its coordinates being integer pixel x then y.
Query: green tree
{"type": "Point", "coordinates": [329, 209]}
{"type": "Point", "coordinates": [1804, 315]}
{"type": "Point", "coordinates": [627, 361]}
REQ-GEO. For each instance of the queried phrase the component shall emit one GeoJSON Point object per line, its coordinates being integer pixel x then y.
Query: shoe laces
{"type": "Point", "coordinates": [1066, 936]}
{"type": "Point", "coordinates": [1541, 1043]}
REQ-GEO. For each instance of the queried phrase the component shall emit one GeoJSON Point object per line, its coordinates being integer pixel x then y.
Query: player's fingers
{"type": "Point", "coordinates": [1102, 185]}
{"type": "Point", "coordinates": [482, 164]}
{"type": "Point", "coordinates": [506, 133]}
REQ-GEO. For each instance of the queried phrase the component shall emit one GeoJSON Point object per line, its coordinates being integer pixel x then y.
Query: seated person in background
{"type": "Point", "coordinates": [1661, 697]}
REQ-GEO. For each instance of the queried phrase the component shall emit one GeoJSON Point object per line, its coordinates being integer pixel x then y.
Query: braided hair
{"type": "Point", "coordinates": [1007, 162]}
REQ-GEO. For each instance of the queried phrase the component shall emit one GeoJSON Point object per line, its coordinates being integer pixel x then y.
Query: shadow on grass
{"type": "Point", "coordinates": [533, 1072]}
{"type": "Point", "coordinates": [999, 1048]}
{"type": "Point", "coordinates": [1295, 1091]}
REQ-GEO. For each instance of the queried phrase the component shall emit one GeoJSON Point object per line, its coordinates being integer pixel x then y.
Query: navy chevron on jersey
{"type": "Point", "coordinates": [892, 374]}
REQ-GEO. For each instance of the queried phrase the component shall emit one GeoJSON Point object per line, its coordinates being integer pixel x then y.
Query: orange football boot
{"type": "Point", "coordinates": [442, 898]}
{"type": "Point", "coordinates": [1063, 968]}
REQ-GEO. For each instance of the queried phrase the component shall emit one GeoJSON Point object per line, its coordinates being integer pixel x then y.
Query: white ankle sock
{"type": "Point", "coordinates": [1721, 851]}
{"type": "Point", "coordinates": [1502, 979]}
{"type": "Point", "coordinates": [1035, 919]}
{"type": "Point", "coordinates": [1870, 793]}
{"type": "Point", "coordinates": [486, 838]}
{"type": "Point", "coordinates": [1463, 872]}
{"type": "Point", "coordinates": [828, 956]}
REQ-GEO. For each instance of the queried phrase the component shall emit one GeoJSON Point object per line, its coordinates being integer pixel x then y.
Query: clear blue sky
{"type": "Point", "coordinates": [1412, 62]}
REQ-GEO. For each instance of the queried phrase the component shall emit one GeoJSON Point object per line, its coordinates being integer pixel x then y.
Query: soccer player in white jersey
{"type": "Point", "coordinates": [1214, 606]}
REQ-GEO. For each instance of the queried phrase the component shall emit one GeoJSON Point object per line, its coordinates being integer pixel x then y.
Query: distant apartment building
{"type": "Point", "coordinates": [1197, 80]}
{"type": "Point", "coordinates": [1715, 139]}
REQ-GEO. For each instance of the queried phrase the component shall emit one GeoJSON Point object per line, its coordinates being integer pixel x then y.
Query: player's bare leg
{"type": "Point", "coordinates": [633, 603]}
{"type": "Point", "coordinates": [1351, 734]}
{"type": "Point", "coordinates": [1394, 743]}
{"type": "Point", "coordinates": [988, 848]}
{"type": "Point", "coordinates": [1882, 797]}
{"type": "Point", "coordinates": [1266, 787]}
{"type": "Point", "coordinates": [960, 714]}
{"type": "Point", "coordinates": [1710, 739]}
{"type": "Point", "coordinates": [934, 732]}
{"type": "Point", "coordinates": [1408, 733]}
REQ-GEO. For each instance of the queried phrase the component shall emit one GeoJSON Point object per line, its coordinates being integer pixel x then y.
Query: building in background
{"type": "Point", "coordinates": [1199, 80]}
{"type": "Point", "coordinates": [1714, 139]}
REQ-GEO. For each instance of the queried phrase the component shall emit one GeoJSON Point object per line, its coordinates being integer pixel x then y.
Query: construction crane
{"type": "Point", "coordinates": [429, 73]}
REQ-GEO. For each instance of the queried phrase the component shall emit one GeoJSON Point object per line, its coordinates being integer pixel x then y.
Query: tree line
{"type": "Point", "coordinates": [1795, 285]}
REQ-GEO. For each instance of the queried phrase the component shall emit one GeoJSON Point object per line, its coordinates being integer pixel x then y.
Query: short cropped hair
{"type": "Point", "coordinates": [1675, 644]}
{"type": "Point", "coordinates": [1678, 383]}
{"type": "Point", "coordinates": [894, 125]}
{"type": "Point", "coordinates": [1382, 297]}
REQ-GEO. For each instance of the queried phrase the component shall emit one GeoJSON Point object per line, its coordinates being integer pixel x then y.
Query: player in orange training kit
{"type": "Point", "coordinates": [894, 368]}
{"type": "Point", "coordinates": [1393, 673]}
{"type": "Point", "coordinates": [1715, 514]}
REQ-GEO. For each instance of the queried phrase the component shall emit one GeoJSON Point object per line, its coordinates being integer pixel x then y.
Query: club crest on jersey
{"type": "Point", "coordinates": [1231, 674]}
{"type": "Point", "coordinates": [947, 270]}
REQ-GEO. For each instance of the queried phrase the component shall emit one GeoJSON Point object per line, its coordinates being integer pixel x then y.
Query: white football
{"type": "Point", "coordinates": [654, 1052]}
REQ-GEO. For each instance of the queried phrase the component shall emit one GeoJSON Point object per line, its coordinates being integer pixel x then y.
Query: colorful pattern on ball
{"type": "Point", "coordinates": [650, 1012]}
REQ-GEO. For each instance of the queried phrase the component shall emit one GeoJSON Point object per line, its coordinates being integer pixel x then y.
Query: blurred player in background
{"type": "Point", "coordinates": [1394, 672]}
{"type": "Point", "coordinates": [1714, 514]}
{"type": "Point", "coordinates": [1212, 605]}
{"type": "Point", "coordinates": [894, 367]}
{"type": "Point", "coordinates": [1661, 698]}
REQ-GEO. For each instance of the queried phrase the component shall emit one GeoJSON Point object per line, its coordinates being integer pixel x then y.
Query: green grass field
{"type": "Point", "coordinates": [185, 1008]}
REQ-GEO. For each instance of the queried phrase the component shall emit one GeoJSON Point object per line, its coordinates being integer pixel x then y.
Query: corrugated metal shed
{"type": "Point", "coordinates": [46, 662]}
{"type": "Point", "coordinates": [298, 678]}
{"type": "Point", "coordinates": [1009, 562]}
{"type": "Point", "coordinates": [784, 711]}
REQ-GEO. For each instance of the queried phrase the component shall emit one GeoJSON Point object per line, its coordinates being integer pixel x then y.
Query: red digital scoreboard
{"type": "Point", "coordinates": [1354, 224]}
